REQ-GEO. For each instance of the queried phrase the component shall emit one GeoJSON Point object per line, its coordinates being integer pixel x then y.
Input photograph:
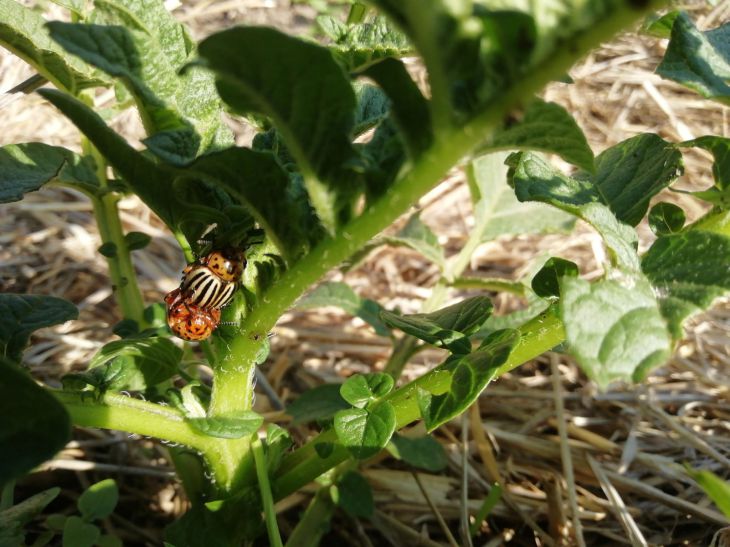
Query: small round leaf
{"type": "Point", "coordinates": [666, 218]}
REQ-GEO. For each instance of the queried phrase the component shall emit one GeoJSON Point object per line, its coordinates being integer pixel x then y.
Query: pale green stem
{"type": "Point", "coordinates": [267, 499]}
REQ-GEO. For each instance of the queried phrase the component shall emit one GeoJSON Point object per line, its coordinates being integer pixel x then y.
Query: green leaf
{"type": "Point", "coordinates": [230, 426]}
{"type": "Point", "coordinates": [365, 432]}
{"type": "Point", "coordinates": [278, 441]}
{"type": "Point", "coordinates": [470, 54]}
{"type": "Point", "coordinates": [666, 218]}
{"type": "Point", "coordinates": [14, 518]}
{"type": "Point", "coordinates": [319, 403]}
{"type": "Point", "coordinates": [359, 45]}
{"type": "Point", "coordinates": [77, 533]}
{"type": "Point", "coordinates": [34, 423]}
{"type": "Point", "coordinates": [470, 374]}
{"type": "Point", "coordinates": [137, 240]}
{"type": "Point", "coordinates": [353, 495]}
{"type": "Point", "coordinates": [23, 31]}
{"type": "Point", "coordinates": [660, 26]}
{"type": "Point", "coordinates": [497, 210]}
{"type": "Point", "coordinates": [271, 196]}
{"type": "Point", "coordinates": [26, 167]}
{"type": "Point", "coordinates": [134, 364]}
{"type": "Point", "coordinates": [180, 112]}
{"type": "Point", "coordinates": [546, 282]}
{"type": "Point", "coordinates": [372, 108]}
{"type": "Point", "coordinates": [536, 180]}
{"type": "Point", "coordinates": [341, 295]}
{"type": "Point", "coordinates": [614, 328]}
{"type": "Point", "coordinates": [448, 327]}
{"type": "Point", "coordinates": [547, 127]}
{"type": "Point", "coordinates": [98, 500]}
{"type": "Point", "coordinates": [421, 452]}
{"type": "Point", "coordinates": [109, 541]}
{"type": "Point", "coordinates": [630, 173]}
{"type": "Point", "coordinates": [361, 389]}
{"type": "Point", "coordinates": [261, 70]}
{"type": "Point", "coordinates": [384, 156]}
{"type": "Point", "coordinates": [719, 147]}
{"type": "Point", "coordinates": [419, 237]}
{"type": "Point", "coordinates": [698, 60]}
{"type": "Point", "coordinates": [25, 313]}
{"type": "Point", "coordinates": [409, 107]}
{"type": "Point", "coordinates": [689, 271]}
{"type": "Point", "coordinates": [152, 183]}
{"type": "Point", "coordinates": [716, 489]}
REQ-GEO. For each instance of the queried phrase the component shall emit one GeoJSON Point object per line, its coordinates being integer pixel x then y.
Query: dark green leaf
{"type": "Point", "coordinates": [496, 208]}
{"type": "Point", "coordinates": [134, 364]}
{"type": "Point", "coordinates": [270, 195]}
{"type": "Point", "coordinates": [324, 450]}
{"type": "Point", "coordinates": [353, 495]}
{"type": "Point", "coordinates": [77, 533]}
{"type": "Point", "coordinates": [261, 70]}
{"type": "Point", "coordinates": [614, 328]}
{"type": "Point", "coordinates": [365, 432]}
{"type": "Point", "coordinates": [109, 541]}
{"type": "Point", "coordinates": [359, 45]}
{"type": "Point", "coordinates": [384, 155]}
{"type": "Point", "coordinates": [547, 127]}
{"type": "Point", "coordinates": [409, 107]}
{"type": "Point", "coordinates": [341, 295]}
{"type": "Point", "coordinates": [470, 374]}
{"type": "Point", "coordinates": [319, 403]}
{"type": "Point", "coordinates": [719, 147]}
{"type": "Point", "coordinates": [373, 106]}
{"type": "Point", "coordinates": [666, 218]}
{"type": "Point", "coordinates": [137, 240]}
{"type": "Point", "coordinates": [698, 60]}
{"type": "Point", "coordinates": [419, 237]}
{"type": "Point", "coordinates": [716, 489]}
{"type": "Point", "coordinates": [181, 112]}
{"type": "Point", "coordinates": [536, 180]}
{"type": "Point", "coordinates": [108, 249]}
{"type": "Point", "coordinates": [14, 518]}
{"type": "Point", "coordinates": [233, 426]}
{"type": "Point", "coordinates": [361, 389]}
{"type": "Point", "coordinates": [630, 173]}
{"type": "Point", "coordinates": [449, 327]}
{"type": "Point", "coordinates": [26, 167]}
{"type": "Point", "coordinates": [689, 271]}
{"type": "Point", "coordinates": [24, 313]}
{"type": "Point", "coordinates": [421, 452]}
{"type": "Point", "coordinates": [34, 423]}
{"type": "Point", "coordinates": [98, 500]}
{"type": "Point", "coordinates": [23, 31]}
{"type": "Point", "coordinates": [546, 282]}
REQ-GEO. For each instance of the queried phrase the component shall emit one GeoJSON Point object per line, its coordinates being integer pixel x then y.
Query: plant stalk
{"type": "Point", "coordinates": [266, 498]}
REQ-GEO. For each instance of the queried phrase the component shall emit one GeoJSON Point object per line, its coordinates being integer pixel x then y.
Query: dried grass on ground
{"type": "Point", "coordinates": [604, 467]}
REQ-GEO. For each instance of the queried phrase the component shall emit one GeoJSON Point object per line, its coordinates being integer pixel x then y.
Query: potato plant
{"type": "Point", "coordinates": [347, 143]}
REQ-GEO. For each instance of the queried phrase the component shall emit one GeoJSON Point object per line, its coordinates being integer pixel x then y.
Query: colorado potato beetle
{"type": "Point", "coordinates": [211, 281]}
{"type": "Point", "coordinates": [189, 321]}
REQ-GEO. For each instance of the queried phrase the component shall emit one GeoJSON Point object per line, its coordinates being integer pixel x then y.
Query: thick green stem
{"type": "Point", "coordinates": [539, 335]}
{"type": "Point", "coordinates": [121, 269]}
{"type": "Point", "coordinates": [122, 413]}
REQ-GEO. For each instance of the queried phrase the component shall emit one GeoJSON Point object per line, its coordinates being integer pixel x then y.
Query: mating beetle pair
{"type": "Point", "coordinates": [194, 308]}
